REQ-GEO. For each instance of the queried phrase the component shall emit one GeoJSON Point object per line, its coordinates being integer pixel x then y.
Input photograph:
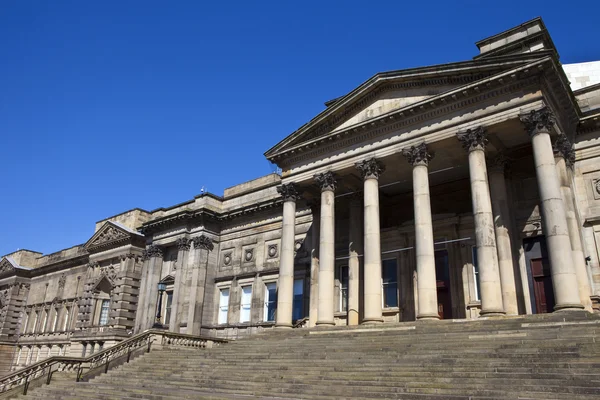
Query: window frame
{"type": "Point", "coordinates": [223, 308]}
{"type": "Point", "coordinates": [267, 300]}
{"type": "Point", "coordinates": [384, 284]}
{"type": "Point", "coordinates": [245, 307]}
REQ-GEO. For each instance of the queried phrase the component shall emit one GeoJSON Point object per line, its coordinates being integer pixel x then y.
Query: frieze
{"type": "Point", "coordinates": [326, 181]}
{"type": "Point", "coordinates": [370, 168]}
{"type": "Point", "coordinates": [537, 121]}
{"type": "Point", "coordinates": [418, 155]}
{"type": "Point", "coordinates": [473, 139]}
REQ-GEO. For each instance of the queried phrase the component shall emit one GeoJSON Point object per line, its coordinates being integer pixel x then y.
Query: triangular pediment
{"type": "Point", "coordinates": [110, 235]}
{"type": "Point", "coordinates": [7, 266]}
{"type": "Point", "coordinates": [391, 92]}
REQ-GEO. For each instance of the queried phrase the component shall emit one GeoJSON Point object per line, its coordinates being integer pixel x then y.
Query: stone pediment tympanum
{"type": "Point", "coordinates": [112, 235]}
{"type": "Point", "coordinates": [393, 92]}
{"type": "Point", "coordinates": [8, 267]}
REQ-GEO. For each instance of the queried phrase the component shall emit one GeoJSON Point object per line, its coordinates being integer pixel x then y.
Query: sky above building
{"type": "Point", "coordinates": [108, 106]}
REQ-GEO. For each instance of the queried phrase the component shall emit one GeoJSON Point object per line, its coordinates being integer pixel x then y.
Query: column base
{"type": "Point", "coordinates": [568, 307]}
{"type": "Point", "coordinates": [428, 317]}
{"type": "Point", "coordinates": [492, 314]}
{"type": "Point", "coordinates": [325, 323]}
{"type": "Point", "coordinates": [283, 326]}
{"type": "Point", "coordinates": [367, 321]}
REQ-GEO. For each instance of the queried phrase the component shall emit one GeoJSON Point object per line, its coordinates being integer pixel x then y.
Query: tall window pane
{"type": "Point", "coordinates": [246, 303]}
{"type": "Point", "coordinates": [389, 275]}
{"type": "Point", "coordinates": [297, 305]}
{"type": "Point", "coordinates": [342, 276]}
{"type": "Point", "coordinates": [223, 305]}
{"type": "Point", "coordinates": [168, 304]}
{"type": "Point", "coordinates": [104, 312]}
{"type": "Point", "coordinates": [270, 301]}
{"type": "Point", "coordinates": [476, 273]}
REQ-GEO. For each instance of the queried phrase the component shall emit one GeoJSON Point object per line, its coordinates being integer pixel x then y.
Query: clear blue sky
{"type": "Point", "coordinates": [111, 105]}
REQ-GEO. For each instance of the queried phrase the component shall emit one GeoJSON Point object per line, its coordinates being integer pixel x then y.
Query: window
{"type": "Point", "coordinates": [298, 302]}
{"type": "Point", "coordinates": [342, 276]}
{"type": "Point", "coordinates": [270, 301]}
{"type": "Point", "coordinates": [389, 277]}
{"type": "Point", "coordinates": [168, 305]}
{"type": "Point", "coordinates": [55, 320]}
{"type": "Point", "coordinates": [35, 320]}
{"type": "Point", "coordinates": [104, 309]}
{"type": "Point", "coordinates": [246, 303]}
{"type": "Point", "coordinates": [476, 273]}
{"type": "Point", "coordinates": [43, 325]}
{"type": "Point", "coordinates": [66, 321]}
{"type": "Point", "coordinates": [223, 305]}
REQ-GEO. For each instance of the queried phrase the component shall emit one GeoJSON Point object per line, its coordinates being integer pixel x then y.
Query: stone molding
{"type": "Point", "coordinates": [564, 148]}
{"type": "Point", "coordinates": [371, 168]}
{"type": "Point", "coordinates": [537, 121]}
{"type": "Point", "coordinates": [326, 181]}
{"type": "Point", "coordinates": [418, 155]}
{"type": "Point", "coordinates": [473, 139]}
{"type": "Point", "coordinates": [152, 251]}
{"type": "Point", "coordinates": [203, 242]}
{"type": "Point", "coordinates": [289, 192]}
{"type": "Point", "coordinates": [183, 244]}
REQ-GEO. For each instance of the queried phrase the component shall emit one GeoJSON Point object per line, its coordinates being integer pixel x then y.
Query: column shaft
{"type": "Point", "coordinates": [326, 258]}
{"type": "Point", "coordinates": [355, 246]}
{"type": "Point", "coordinates": [285, 293]}
{"type": "Point", "coordinates": [174, 322]}
{"type": "Point", "coordinates": [314, 268]}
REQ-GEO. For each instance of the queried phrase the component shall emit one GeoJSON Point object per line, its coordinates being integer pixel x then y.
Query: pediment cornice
{"type": "Point", "coordinates": [110, 236]}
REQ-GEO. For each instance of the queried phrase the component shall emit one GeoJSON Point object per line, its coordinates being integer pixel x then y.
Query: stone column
{"type": "Point", "coordinates": [183, 251]}
{"type": "Point", "coordinates": [154, 255]}
{"type": "Point", "coordinates": [565, 159]}
{"type": "Point", "coordinates": [504, 233]}
{"type": "Point", "coordinates": [355, 246]}
{"type": "Point", "coordinates": [198, 271]}
{"type": "Point", "coordinates": [314, 266]}
{"type": "Point", "coordinates": [474, 141]}
{"type": "Point", "coordinates": [419, 157]}
{"type": "Point", "coordinates": [370, 170]}
{"type": "Point", "coordinates": [538, 124]}
{"type": "Point", "coordinates": [285, 290]}
{"type": "Point", "coordinates": [328, 183]}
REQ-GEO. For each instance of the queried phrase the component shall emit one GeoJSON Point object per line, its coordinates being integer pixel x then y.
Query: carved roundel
{"type": "Point", "coordinates": [248, 255]}
{"type": "Point", "coordinates": [227, 258]}
{"type": "Point", "coordinates": [272, 251]}
{"type": "Point", "coordinates": [298, 244]}
{"type": "Point", "coordinates": [597, 186]}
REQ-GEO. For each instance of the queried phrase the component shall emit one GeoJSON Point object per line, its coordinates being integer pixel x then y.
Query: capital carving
{"type": "Point", "coordinates": [326, 181]}
{"type": "Point", "coordinates": [203, 242]}
{"type": "Point", "coordinates": [183, 244]}
{"type": "Point", "coordinates": [473, 139]}
{"type": "Point", "coordinates": [370, 168]}
{"type": "Point", "coordinates": [152, 251]}
{"type": "Point", "coordinates": [536, 121]}
{"type": "Point", "coordinates": [497, 163]}
{"type": "Point", "coordinates": [289, 192]}
{"type": "Point", "coordinates": [418, 155]}
{"type": "Point", "coordinates": [563, 148]}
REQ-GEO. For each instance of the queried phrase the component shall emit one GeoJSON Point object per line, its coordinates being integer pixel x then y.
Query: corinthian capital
{"type": "Point", "coordinates": [473, 139]}
{"type": "Point", "coordinates": [370, 168]}
{"type": "Point", "coordinates": [418, 155]}
{"type": "Point", "coordinates": [183, 244]}
{"type": "Point", "coordinates": [497, 163]}
{"type": "Point", "coordinates": [536, 121]}
{"type": "Point", "coordinates": [152, 251]}
{"type": "Point", "coordinates": [289, 192]}
{"type": "Point", "coordinates": [326, 181]}
{"type": "Point", "coordinates": [203, 242]}
{"type": "Point", "coordinates": [563, 148]}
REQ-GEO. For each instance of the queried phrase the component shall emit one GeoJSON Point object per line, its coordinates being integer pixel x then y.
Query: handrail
{"type": "Point", "coordinates": [23, 377]}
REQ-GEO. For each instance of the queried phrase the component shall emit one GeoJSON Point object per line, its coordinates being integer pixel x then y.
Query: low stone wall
{"type": "Point", "coordinates": [6, 355]}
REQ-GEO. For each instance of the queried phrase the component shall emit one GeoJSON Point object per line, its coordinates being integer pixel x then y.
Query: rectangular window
{"type": "Point", "coordinates": [246, 303]}
{"type": "Point", "coordinates": [342, 276]}
{"type": "Point", "coordinates": [475, 273]}
{"type": "Point", "coordinates": [223, 305]}
{"type": "Point", "coordinates": [44, 320]}
{"type": "Point", "coordinates": [270, 301]}
{"type": "Point", "coordinates": [104, 312]}
{"type": "Point", "coordinates": [168, 305]}
{"type": "Point", "coordinates": [66, 321]}
{"type": "Point", "coordinates": [55, 320]}
{"type": "Point", "coordinates": [389, 278]}
{"type": "Point", "coordinates": [298, 302]}
{"type": "Point", "coordinates": [35, 321]}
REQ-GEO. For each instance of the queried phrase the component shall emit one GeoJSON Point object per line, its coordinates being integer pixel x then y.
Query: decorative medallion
{"type": "Point", "coordinates": [473, 139]}
{"type": "Point", "coordinates": [289, 192]}
{"type": "Point", "coordinates": [326, 181]}
{"type": "Point", "coordinates": [370, 168]}
{"type": "Point", "coordinates": [227, 257]}
{"type": "Point", "coordinates": [203, 242]}
{"type": "Point", "coordinates": [536, 121]}
{"type": "Point", "coordinates": [272, 251]}
{"type": "Point", "coordinates": [248, 255]}
{"type": "Point", "coordinates": [596, 184]}
{"type": "Point", "coordinates": [418, 155]}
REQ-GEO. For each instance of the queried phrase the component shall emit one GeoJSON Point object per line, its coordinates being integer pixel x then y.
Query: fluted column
{"type": "Point", "coordinates": [183, 249]}
{"type": "Point", "coordinates": [328, 183]}
{"type": "Point", "coordinates": [538, 124]}
{"type": "Point", "coordinates": [285, 292]}
{"type": "Point", "coordinates": [504, 233]}
{"type": "Point", "coordinates": [419, 157]}
{"type": "Point", "coordinates": [355, 247]}
{"type": "Point", "coordinates": [564, 156]}
{"type": "Point", "coordinates": [474, 141]}
{"type": "Point", "coordinates": [370, 170]}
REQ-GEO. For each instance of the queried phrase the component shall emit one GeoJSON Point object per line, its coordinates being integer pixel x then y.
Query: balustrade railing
{"type": "Point", "coordinates": [82, 366]}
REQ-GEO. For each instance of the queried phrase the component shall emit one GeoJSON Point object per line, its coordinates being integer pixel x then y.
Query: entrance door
{"type": "Point", "coordinates": [542, 286]}
{"type": "Point", "coordinates": [442, 274]}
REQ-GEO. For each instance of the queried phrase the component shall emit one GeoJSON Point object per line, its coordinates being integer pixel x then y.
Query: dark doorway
{"type": "Point", "coordinates": [539, 276]}
{"type": "Point", "coordinates": [442, 274]}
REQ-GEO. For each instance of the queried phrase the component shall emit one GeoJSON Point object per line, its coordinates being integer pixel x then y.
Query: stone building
{"type": "Point", "coordinates": [459, 191]}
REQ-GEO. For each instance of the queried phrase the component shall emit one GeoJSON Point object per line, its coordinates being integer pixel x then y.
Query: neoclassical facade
{"type": "Point", "coordinates": [462, 190]}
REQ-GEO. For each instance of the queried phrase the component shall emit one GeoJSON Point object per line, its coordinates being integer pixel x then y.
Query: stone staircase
{"type": "Point", "coordinates": [552, 356]}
